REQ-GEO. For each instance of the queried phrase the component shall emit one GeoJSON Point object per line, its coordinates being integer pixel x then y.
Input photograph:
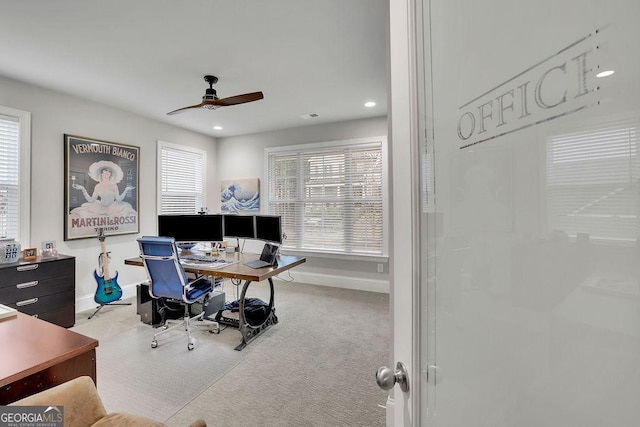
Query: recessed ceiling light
{"type": "Point", "coordinates": [217, 127]}
{"type": "Point", "coordinates": [605, 73]}
{"type": "Point", "coordinates": [369, 104]}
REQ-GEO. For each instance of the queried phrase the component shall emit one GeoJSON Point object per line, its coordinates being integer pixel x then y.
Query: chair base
{"type": "Point", "coordinates": [186, 322]}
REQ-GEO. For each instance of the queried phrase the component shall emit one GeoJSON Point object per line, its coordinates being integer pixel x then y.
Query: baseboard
{"type": "Point", "coordinates": [337, 281]}
{"type": "Point", "coordinates": [87, 302]}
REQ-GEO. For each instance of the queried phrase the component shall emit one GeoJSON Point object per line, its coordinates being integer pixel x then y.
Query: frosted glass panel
{"type": "Point", "coordinates": [530, 213]}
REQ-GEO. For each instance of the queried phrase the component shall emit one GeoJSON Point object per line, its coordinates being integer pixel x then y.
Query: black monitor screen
{"type": "Point", "coordinates": [240, 226]}
{"type": "Point", "coordinates": [268, 228]}
{"type": "Point", "coordinates": [191, 228]}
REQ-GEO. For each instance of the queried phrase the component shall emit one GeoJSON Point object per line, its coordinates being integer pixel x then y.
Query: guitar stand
{"type": "Point", "coordinates": [109, 303]}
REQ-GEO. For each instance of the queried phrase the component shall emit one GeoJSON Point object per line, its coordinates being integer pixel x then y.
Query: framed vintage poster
{"type": "Point", "coordinates": [100, 188]}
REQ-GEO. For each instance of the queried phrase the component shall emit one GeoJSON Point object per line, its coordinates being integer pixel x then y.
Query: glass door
{"type": "Point", "coordinates": [529, 213]}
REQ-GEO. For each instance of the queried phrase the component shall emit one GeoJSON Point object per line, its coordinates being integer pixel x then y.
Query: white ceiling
{"type": "Point", "coordinates": [149, 57]}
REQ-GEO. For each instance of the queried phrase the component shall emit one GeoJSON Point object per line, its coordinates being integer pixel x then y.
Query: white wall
{"type": "Point", "coordinates": [53, 115]}
{"type": "Point", "coordinates": [243, 157]}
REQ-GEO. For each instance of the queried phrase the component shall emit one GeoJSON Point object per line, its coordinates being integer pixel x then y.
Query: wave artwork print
{"type": "Point", "coordinates": [240, 195]}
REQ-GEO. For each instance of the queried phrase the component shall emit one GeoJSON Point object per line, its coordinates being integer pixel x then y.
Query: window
{"type": "Point", "coordinates": [330, 195]}
{"type": "Point", "coordinates": [15, 149]}
{"type": "Point", "coordinates": [593, 182]}
{"type": "Point", "coordinates": [181, 179]}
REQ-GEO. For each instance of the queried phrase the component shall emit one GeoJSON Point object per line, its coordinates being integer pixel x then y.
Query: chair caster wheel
{"type": "Point", "coordinates": [192, 344]}
{"type": "Point", "coordinates": [214, 331]}
{"type": "Point", "coordinates": [154, 344]}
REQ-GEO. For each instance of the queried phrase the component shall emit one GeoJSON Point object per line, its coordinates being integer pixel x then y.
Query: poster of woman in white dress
{"type": "Point", "coordinates": [101, 181]}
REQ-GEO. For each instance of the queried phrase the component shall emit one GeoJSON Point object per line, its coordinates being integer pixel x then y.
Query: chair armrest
{"type": "Point", "coordinates": [197, 288]}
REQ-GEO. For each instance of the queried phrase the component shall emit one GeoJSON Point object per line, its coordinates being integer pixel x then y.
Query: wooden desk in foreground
{"type": "Point", "coordinates": [237, 270]}
{"type": "Point", "coordinates": [37, 355]}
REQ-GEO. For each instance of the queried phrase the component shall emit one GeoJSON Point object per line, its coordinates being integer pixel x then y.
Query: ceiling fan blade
{"type": "Point", "coordinates": [210, 100]}
{"type": "Point", "coordinates": [180, 110]}
{"type": "Point", "coordinates": [239, 99]}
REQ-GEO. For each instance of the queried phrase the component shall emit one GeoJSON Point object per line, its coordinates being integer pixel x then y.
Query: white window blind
{"type": "Point", "coordinates": [9, 176]}
{"type": "Point", "coordinates": [592, 179]}
{"type": "Point", "coordinates": [181, 179]}
{"type": "Point", "coordinates": [330, 198]}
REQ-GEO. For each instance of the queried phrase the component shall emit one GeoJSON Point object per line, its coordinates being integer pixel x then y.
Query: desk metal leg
{"type": "Point", "coordinates": [248, 331]}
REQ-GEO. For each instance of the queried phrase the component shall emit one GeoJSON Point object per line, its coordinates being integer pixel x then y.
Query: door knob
{"type": "Point", "coordinates": [386, 378]}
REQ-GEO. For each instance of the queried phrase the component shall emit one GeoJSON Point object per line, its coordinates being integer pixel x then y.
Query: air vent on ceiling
{"type": "Point", "coordinates": [309, 116]}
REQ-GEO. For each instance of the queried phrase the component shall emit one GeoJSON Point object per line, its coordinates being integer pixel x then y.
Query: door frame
{"type": "Point", "coordinates": [403, 407]}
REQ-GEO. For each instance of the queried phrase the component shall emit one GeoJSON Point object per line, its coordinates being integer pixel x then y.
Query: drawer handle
{"type": "Point", "coordinates": [27, 267]}
{"type": "Point", "coordinates": [27, 302]}
{"type": "Point", "coordinates": [27, 284]}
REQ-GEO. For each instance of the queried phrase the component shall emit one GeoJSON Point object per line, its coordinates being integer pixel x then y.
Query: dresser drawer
{"type": "Point", "coordinates": [36, 288]}
{"type": "Point", "coordinates": [10, 276]}
{"type": "Point", "coordinates": [37, 305]}
{"type": "Point", "coordinates": [64, 316]}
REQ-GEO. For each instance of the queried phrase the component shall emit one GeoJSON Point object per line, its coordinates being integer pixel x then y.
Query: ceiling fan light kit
{"type": "Point", "coordinates": [210, 100]}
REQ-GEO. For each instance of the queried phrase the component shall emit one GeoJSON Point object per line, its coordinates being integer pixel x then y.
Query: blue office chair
{"type": "Point", "coordinates": [168, 280]}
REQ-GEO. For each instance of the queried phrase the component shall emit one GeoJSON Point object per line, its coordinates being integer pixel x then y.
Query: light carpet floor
{"type": "Point", "coordinates": [316, 367]}
{"type": "Point", "coordinates": [159, 382]}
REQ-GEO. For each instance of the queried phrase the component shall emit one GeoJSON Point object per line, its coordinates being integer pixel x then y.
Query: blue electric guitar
{"type": "Point", "coordinates": [108, 289]}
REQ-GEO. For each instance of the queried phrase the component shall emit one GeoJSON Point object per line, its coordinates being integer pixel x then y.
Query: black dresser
{"type": "Point", "coordinates": [45, 288]}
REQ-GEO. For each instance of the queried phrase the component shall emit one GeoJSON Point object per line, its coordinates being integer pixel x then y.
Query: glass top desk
{"type": "Point", "coordinates": [237, 270]}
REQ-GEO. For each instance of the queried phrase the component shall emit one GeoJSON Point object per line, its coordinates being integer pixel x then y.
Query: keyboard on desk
{"type": "Point", "coordinates": [203, 259]}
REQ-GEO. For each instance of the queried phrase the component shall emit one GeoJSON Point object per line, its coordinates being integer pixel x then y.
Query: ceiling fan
{"type": "Point", "coordinates": [211, 101]}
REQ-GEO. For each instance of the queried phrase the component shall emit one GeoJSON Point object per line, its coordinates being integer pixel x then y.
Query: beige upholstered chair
{"type": "Point", "coordinates": [83, 406]}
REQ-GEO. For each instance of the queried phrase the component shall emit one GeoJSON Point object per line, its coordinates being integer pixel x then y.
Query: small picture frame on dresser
{"type": "Point", "coordinates": [30, 254]}
{"type": "Point", "coordinates": [49, 249]}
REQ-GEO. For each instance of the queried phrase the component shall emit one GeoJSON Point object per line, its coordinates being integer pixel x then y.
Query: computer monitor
{"type": "Point", "coordinates": [191, 228]}
{"type": "Point", "coordinates": [239, 226]}
{"type": "Point", "coordinates": [269, 228]}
